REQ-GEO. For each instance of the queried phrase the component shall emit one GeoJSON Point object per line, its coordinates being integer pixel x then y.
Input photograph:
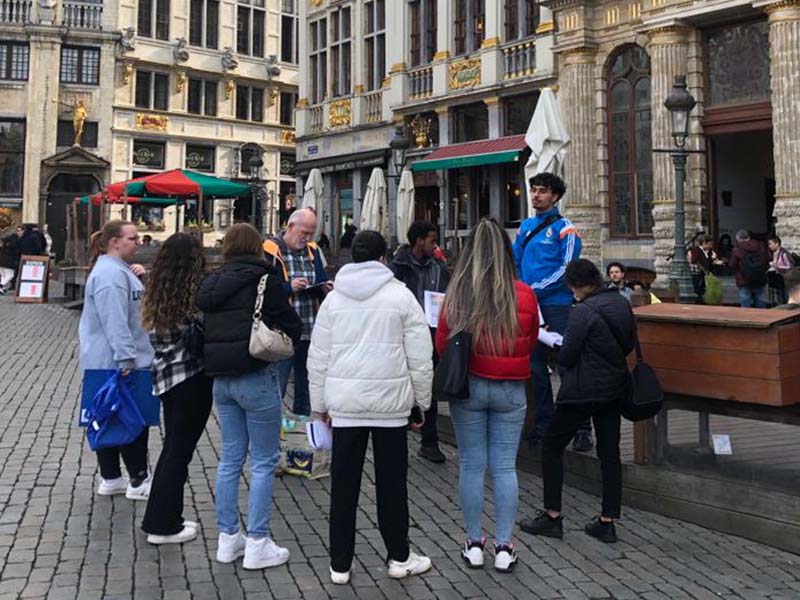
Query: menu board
{"type": "Point", "coordinates": [32, 278]}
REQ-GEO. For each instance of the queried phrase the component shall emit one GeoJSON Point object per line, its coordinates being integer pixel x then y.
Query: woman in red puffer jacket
{"type": "Point", "coordinates": [485, 298]}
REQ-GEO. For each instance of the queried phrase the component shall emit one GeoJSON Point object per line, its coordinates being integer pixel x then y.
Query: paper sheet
{"type": "Point", "coordinates": [320, 436]}
{"type": "Point", "coordinates": [433, 306]}
{"type": "Point", "coordinates": [722, 444]}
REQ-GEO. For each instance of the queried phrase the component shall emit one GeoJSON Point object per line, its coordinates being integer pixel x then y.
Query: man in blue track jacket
{"type": "Point", "coordinates": [545, 244]}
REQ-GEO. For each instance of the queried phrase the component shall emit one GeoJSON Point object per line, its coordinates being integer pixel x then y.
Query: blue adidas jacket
{"type": "Point", "coordinates": [545, 258]}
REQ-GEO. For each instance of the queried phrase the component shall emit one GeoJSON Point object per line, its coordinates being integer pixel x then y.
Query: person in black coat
{"type": "Point", "coordinates": [9, 262]}
{"type": "Point", "coordinates": [247, 392]}
{"type": "Point", "coordinates": [600, 335]}
{"type": "Point", "coordinates": [32, 242]}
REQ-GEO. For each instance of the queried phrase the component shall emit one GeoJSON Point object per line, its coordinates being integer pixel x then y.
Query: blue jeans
{"type": "Point", "coordinates": [752, 297]}
{"type": "Point", "coordinates": [249, 410]}
{"type": "Point", "coordinates": [302, 401]}
{"type": "Point", "coordinates": [488, 426]}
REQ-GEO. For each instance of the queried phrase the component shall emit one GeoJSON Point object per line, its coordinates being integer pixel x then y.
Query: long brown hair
{"type": "Point", "coordinates": [482, 297]}
{"type": "Point", "coordinates": [169, 298]}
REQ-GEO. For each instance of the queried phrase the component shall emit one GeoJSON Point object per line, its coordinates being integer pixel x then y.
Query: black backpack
{"type": "Point", "coordinates": [754, 269]}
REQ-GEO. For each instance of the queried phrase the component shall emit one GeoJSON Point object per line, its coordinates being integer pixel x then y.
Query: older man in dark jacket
{"type": "Point", "coordinates": [600, 335]}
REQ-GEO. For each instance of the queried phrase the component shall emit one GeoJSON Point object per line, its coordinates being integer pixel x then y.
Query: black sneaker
{"type": "Point", "coordinates": [605, 532]}
{"type": "Point", "coordinates": [582, 442]}
{"type": "Point", "coordinates": [544, 525]}
{"type": "Point", "coordinates": [432, 453]}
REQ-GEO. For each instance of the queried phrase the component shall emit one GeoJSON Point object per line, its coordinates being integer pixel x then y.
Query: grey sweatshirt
{"type": "Point", "coordinates": [110, 333]}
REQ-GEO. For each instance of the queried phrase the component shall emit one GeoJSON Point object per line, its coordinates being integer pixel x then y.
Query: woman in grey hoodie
{"type": "Point", "coordinates": [111, 336]}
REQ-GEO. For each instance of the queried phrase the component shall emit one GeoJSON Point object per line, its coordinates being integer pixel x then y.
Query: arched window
{"type": "Point", "coordinates": [630, 158]}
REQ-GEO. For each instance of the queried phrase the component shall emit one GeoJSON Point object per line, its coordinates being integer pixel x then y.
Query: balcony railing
{"type": "Point", "coordinates": [82, 15]}
{"type": "Point", "coordinates": [421, 82]}
{"type": "Point", "coordinates": [316, 120]}
{"type": "Point", "coordinates": [15, 11]}
{"type": "Point", "coordinates": [373, 103]}
{"type": "Point", "coordinates": [519, 60]}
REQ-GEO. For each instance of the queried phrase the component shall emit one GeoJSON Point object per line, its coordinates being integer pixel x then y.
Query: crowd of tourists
{"type": "Point", "coordinates": [363, 352]}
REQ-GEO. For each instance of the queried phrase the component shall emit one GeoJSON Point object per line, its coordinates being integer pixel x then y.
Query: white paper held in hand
{"type": "Point", "coordinates": [320, 435]}
{"type": "Point", "coordinates": [433, 306]}
{"type": "Point", "coordinates": [550, 338]}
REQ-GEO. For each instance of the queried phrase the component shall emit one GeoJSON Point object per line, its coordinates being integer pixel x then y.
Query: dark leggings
{"type": "Point", "coordinates": [134, 455]}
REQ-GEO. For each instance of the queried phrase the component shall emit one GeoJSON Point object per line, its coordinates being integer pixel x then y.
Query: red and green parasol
{"type": "Point", "coordinates": [97, 200]}
{"type": "Point", "coordinates": [181, 183]}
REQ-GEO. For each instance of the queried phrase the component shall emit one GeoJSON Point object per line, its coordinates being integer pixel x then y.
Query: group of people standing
{"type": "Point", "coordinates": [26, 240]}
{"type": "Point", "coordinates": [364, 356]}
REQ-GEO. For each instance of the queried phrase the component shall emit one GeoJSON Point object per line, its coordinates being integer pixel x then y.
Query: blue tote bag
{"type": "Point", "coordinates": [141, 384]}
{"type": "Point", "coordinates": [113, 418]}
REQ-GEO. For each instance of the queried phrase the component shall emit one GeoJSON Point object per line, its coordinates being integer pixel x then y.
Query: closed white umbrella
{"type": "Point", "coordinates": [375, 209]}
{"type": "Point", "coordinates": [313, 197]}
{"type": "Point", "coordinates": [548, 139]}
{"type": "Point", "coordinates": [405, 205]}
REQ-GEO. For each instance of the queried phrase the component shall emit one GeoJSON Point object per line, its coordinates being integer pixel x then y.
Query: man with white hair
{"type": "Point", "coordinates": [301, 262]}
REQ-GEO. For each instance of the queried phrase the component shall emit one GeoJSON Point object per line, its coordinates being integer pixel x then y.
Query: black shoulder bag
{"type": "Point", "coordinates": [451, 376]}
{"type": "Point", "coordinates": [532, 233]}
{"type": "Point", "coordinates": [646, 396]}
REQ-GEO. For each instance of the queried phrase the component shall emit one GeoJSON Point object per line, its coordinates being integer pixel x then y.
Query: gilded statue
{"type": "Point", "coordinates": [78, 119]}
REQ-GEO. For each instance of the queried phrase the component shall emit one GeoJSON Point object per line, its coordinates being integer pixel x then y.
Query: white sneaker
{"type": "Point", "coordinates": [263, 553]}
{"type": "Point", "coordinates": [340, 578]}
{"type": "Point", "coordinates": [193, 524]}
{"type": "Point", "coordinates": [414, 565]}
{"type": "Point", "coordinates": [112, 487]}
{"type": "Point", "coordinates": [185, 535]}
{"type": "Point", "coordinates": [505, 557]}
{"type": "Point", "coordinates": [140, 492]}
{"type": "Point", "coordinates": [230, 546]}
{"type": "Point", "coordinates": [473, 553]}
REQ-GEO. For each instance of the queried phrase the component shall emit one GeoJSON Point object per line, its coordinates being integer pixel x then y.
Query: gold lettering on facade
{"type": "Point", "coordinates": [465, 73]}
{"type": "Point", "coordinates": [155, 122]}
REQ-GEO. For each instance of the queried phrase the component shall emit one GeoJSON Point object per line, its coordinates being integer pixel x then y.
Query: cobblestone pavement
{"type": "Point", "coordinates": [58, 540]}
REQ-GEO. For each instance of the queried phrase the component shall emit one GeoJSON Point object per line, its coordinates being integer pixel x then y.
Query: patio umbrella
{"type": "Point", "coordinates": [313, 197]}
{"type": "Point", "coordinates": [375, 209]}
{"type": "Point", "coordinates": [179, 182]}
{"type": "Point", "coordinates": [548, 139]}
{"type": "Point", "coordinates": [405, 205]}
{"type": "Point", "coordinates": [96, 200]}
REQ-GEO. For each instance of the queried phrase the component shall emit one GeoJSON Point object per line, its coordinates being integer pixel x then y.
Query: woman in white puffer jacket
{"type": "Point", "coordinates": [369, 364]}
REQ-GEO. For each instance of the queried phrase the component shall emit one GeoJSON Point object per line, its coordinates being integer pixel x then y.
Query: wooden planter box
{"type": "Point", "coordinates": [736, 354]}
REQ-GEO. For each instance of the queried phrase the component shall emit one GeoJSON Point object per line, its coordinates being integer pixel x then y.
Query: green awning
{"type": "Point", "coordinates": [473, 154]}
{"type": "Point", "coordinates": [462, 162]}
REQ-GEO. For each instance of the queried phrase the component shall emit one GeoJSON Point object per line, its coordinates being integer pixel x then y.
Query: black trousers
{"type": "Point", "coordinates": [430, 430]}
{"type": "Point", "coordinates": [186, 410]}
{"type": "Point", "coordinates": [134, 455]}
{"type": "Point", "coordinates": [566, 421]}
{"type": "Point", "coordinates": [390, 449]}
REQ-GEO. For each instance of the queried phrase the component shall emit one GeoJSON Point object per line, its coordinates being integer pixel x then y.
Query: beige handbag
{"type": "Point", "coordinates": [267, 344]}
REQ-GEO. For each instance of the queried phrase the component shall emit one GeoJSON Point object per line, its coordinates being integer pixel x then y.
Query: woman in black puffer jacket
{"type": "Point", "coordinates": [600, 335]}
{"type": "Point", "coordinates": [246, 392]}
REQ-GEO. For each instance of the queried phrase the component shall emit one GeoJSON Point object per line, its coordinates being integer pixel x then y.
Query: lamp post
{"type": "Point", "coordinates": [399, 145]}
{"type": "Point", "coordinates": [255, 163]}
{"type": "Point", "coordinates": [679, 104]}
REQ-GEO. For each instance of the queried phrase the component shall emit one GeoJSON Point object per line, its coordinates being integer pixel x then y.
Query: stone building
{"type": "Point", "coordinates": [201, 84]}
{"type": "Point", "coordinates": [616, 62]}
{"type": "Point", "coordinates": [462, 77]}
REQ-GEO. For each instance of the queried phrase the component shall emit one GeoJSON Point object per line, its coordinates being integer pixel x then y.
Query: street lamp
{"type": "Point", "coordinates": [679, 104]}
{"type": "Point", "coordinates": [399, 145]}
{"type": "Point", "coordinates": [255, 163]}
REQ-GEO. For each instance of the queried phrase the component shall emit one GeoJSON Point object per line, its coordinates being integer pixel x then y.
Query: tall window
{"type": "Point", "coordinates": [340, 51]}
{"type": "Point", "coordinates": [152, 90]}
{"type": "Point", "coordinates": [65, 134]}
{"type": "Point", "coordinates": [423, 31]}
{"type": "Point", "coordinates": [250, 27]}
{"type": "Point", "coordinates": [288, 102]}
{"type": "Point", "coordinates": [14, 60]}
{"type": "Point", "coordinates": [289, 31]}
{"type": "Point", "coordinates": [153, 19]}
{"type": "Point", "coordinates": [470, 122]}
{"type": "Point", "coordinates": [204, 23]}
{"type": "Point", "coordinates": [202, 97]}
{"type": "Point", "coordinates": [374, 43]}
{"type": "Point", "coordinates": [80, 65]}
{"type": "Point", "coordinates": [249, 103]}
{"type": "Point", "coordinates": [522, 18]}
{"type": "Point", "coordinates": [630, 158]}
{"type": "Point", "coordinates": [469, 26]}
{"type": "Point", "coordinates": [12, 157]}
{"type": "Point", "coordinates": [318, 60]}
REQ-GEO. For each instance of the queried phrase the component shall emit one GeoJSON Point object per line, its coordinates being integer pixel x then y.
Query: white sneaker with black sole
{"type": "Point", "coordinates": [230, 546]}
{"type": "Point", "coordinates": [112, 487]}
{"type": "Point", "coordinates": [340, 578]}
{"type": "Point", "coordinates": [140, 492]}
{"type": "Point", "coordinates": [263, 553]}
{"type": "Point", "coordinates": [505, 558]}
{"type": "Point", "coordinates": [473, 553]}
{"type": "Point", "coordinates": [185, 535]}
{"type": "Point", "coordinates": [413, 565]}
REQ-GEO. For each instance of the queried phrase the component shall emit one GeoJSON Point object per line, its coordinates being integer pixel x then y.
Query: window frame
{"type": "Point", "coordinates": [20, 153]}
{"type": "Point", "coordinates": [340, 48]}
{"type": "Point", "coordinates": [251, 8]}
{"type": "Point", "coordinates": [467, 34]}
{"type": "Point", "coordinates": [291, 99]}
{"type": "Point", "coordinates": [251, 103]}
{"type": "Point", "coordinates": [318, 60]}
{"type": "Point", "coordinates": [158, 20]}
{"type": "Point", "coordinates": [206, 108]}
{"type": "Point", "coordinates": [91, 132]}
{"type": "Point", "coordinates": [161, 143]}
{"type": "Point", "coordinates": [151, 93]}
{"type": "Point", "coordinates": [206, 147]}
{"type": "Point", "coordinates": [422, 32]}
{"type": "Point", "coordinates": [526, 17]}
{"type": "Point", "coordinates": [82, 51]}
{"type": "Point", "coordinates": [290, 16]}
{"type": "Point", "coordinates": [374, 46]}
{"type": "Point", "coordinates": [205, 27]}
{"type": "Point", "coordinates": [7, 69]}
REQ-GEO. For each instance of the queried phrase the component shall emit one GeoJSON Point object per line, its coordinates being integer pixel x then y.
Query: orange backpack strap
{"type": "Point", "coordinates": [271, 247]}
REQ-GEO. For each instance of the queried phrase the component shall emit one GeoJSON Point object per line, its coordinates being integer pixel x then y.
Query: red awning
{"type": "Point", "coordinates": [473, 154]}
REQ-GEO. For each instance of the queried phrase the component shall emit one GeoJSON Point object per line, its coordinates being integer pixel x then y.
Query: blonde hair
{"type": "Point", "coordinates": [482, 297]}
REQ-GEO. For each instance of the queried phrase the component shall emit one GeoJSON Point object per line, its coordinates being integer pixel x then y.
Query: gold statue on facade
{"type": "Point", "coordinates": [78, 119]}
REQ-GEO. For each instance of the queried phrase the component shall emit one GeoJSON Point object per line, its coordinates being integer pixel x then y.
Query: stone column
{"type": "Point", "coordinates": [668, 49]}
{"type": "Point", "coordinates": [784, 42]}
{"type": "Point", "coordinates": [491, 56]}
{"type": "Point", "coordinates": [576, 100]}
{"type": "Point", "coordinates": [444, 26]}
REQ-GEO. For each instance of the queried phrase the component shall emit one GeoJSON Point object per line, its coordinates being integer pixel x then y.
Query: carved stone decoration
{"type": "Point", "coordinates": [127, 73]}
{"type": "Point", "coordinates": [421, 128]}
{"type": "Point", "coordinates": [274, 92]}
{"type": "Point", "coordinates": [465, 73]}
{"type": "Point", "coordinates": [127, 42]}
{"type": "Point", "coordinates": [229, 61]}
{"type": "Point", "coordinates": [287, 136]}
{"type": "Point", "coordinates": [316, 3]}
{"type": "Point", "coordinates": [339, 113]}
{"type": "Point", "coordinates": [229, 87]}
{"type": "Point", "coordinates": [738, 64]}
{"type": "Point", "coordinates": [179, 52]}
{"type": "Point", "coordinates": [47, 12]}
{"type": "Point", "coordinates": [180, 81]}
{"type": "Point", "coordinates": [154, 122]}
{"type": "Point", "coordinates": [273, 70]}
